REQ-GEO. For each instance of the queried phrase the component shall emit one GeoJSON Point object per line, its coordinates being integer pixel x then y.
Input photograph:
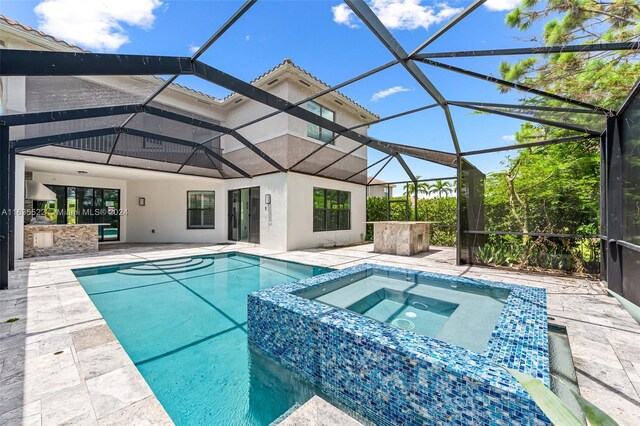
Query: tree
{"type": "Point", "coordinates": [410, 188]}
{"type": "Point", "coordinates": [602, 78]}
{"type": "Point", "coordinates": [442, 188]}
{"type": "Point", "coordinates": [555, 188]}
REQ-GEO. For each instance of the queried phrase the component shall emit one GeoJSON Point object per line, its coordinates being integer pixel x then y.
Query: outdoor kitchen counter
{"type": "Point", "coordinates": [400, 238]}
{"type": "Point", "coordinates": [50, 240]}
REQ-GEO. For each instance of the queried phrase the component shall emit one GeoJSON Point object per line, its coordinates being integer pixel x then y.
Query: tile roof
{"type": "Point", "coordinates": [288, 61]}
{"type": "Point", "coordinates": [39, 33]}
{"type": "Point", "coordinates": [377, 181]}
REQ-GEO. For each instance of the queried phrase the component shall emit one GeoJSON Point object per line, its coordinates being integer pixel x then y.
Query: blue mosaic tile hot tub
{"type": "Point", "coordinates": [393, 376]}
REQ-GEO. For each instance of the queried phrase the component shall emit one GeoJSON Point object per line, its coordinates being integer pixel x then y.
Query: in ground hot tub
{"type": "Point", "coordinates": [407, 347]}
{"type": "Point", "coordinates": [455, 312]}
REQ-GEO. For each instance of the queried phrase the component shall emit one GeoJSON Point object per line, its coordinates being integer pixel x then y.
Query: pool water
{"type": "Point", "coordinates": [407, 311]}
{"type": "Point", "coordinates": [446, 310]}
{"type": "Point", "coordinates": [183, 322]}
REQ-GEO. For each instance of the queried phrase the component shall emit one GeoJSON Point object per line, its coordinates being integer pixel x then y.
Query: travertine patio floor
{"type": "Point", "coordinates": [60, 363]}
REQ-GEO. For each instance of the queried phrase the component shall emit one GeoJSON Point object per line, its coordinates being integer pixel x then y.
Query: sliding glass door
{"type": "Point", "coordinates": [81, 205]}
{"type": "Point", "coordinates": [244, 215]}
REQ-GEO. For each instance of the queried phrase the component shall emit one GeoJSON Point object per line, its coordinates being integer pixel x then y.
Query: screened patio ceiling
{"type": "Point", "coordinates": [109, 108]}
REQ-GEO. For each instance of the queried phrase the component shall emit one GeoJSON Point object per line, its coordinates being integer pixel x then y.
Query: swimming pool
{"type": "Point", "coordinates": [183, 322]}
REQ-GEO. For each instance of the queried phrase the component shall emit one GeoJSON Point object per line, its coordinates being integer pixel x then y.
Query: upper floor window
{"type": "Point", "coordinates": [315, 131]}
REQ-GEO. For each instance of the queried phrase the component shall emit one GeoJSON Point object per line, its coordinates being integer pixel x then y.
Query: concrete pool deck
{"type": "Point", "coordinates": [60, 363]}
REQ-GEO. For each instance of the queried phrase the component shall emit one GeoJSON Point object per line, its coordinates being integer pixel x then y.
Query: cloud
{"type": "Point", "coordinates": [193, 48]}
{"type": "Point", "coordinates": [343, 15]}
{"type": "Point", "coordinates": [388, 92]}
{"type": "Point", "coordinates": [95, 24]}
{"type": "Point", "coordinates": [399, 14]}
{"type": "Point", "coordinates": [247, 37]}
{"type": "Point", "coordinates": [501, 5]}
{"type": "Point", "coordinates": [509, 138]}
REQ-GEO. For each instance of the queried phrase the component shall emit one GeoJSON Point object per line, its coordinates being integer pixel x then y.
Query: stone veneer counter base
{"type": "Point", "coordinates": [392, 376]}
{"type": "Point", "coordinates": [67, 239]}
{"type": "Point", "coordinates": [400, 238]}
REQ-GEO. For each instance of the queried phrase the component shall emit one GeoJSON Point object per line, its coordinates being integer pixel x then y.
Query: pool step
{"type": "Point", "coordinates": [154, 266]}
{"type": "Point", "coordinates": [167, 267]}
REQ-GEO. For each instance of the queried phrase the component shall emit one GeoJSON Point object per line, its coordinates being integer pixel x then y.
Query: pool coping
{"type": "Point", "coordinates": [516, 342]}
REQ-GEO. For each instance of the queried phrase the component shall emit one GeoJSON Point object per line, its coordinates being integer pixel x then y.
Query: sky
{"type": "Point", "coordinates": [326, 39]}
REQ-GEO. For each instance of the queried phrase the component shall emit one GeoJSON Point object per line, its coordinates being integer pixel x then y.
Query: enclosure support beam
{"type": "Point", "coordinates": [368, 167]}
{"type": "Point", "coordinates": [32, 143]}
{"type": "Point", "coordinates": [346, 154]}
{"type": "Point", "coordinates": [603, 206]}
{"type": "Point", "coordinates": [191, 121]}
{"type": "Point", "coordinates": [70, 114]}
{"type": "Point", "coordinates": [5, 153]}
{"type": "Point", "coordinates": [614, 210]}
{"type": "Point", "coordinates": [391, 157]}
{"type": "Point", "coordinates": [515, 86]}
{"type": "Point", "coordinates": [459, 212]}
{"type": "Point", "coordinates": [362, 10]}
{"type": "Point", "coordinates": [575, 128]}
{"type": "Point", "coordinates": [473, 6]}
{"type": "Point", "coordinates": [419, 180]}
{"type": "Point", "coordinates": [541, 50]}
{"type": "Point", "coordinates": [26, 144]}
{"type": "Point", "coordinates": [12, 206]}
{"type": "Point", "coordinates": [529, 145]}
{"type": "Point", "coordinates": [415, 201]}
{"type": "Point", "coordinates": [405, 166]}
{"type": "Point", "coordinates": [526, 107]}
{"type": "Point", "coordinates": [44, 63]}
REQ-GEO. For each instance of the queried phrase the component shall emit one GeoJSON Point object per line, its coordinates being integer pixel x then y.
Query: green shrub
{"type": "Point", "coordinates": [439, 209]}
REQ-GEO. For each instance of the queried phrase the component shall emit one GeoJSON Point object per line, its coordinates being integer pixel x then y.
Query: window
{"type": "Point", "coordinates": [331, 210]}
{"type": "Point", "coordinates": [315, 131]}
{"type": "Point", "coordinates": [81, 205]}
{"type": "Point", "coordinates": [201, 209]}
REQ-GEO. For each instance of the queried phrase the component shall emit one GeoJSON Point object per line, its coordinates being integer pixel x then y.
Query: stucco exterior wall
{"type": "Point", "coordinates": [300, 213]}
{"type": "Point", "coordinates": [248, 110]}
{"type": "Point", "coordinates": [163, 218]}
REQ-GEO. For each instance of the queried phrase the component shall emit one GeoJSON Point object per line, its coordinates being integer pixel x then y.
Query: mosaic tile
{"type": "Point", "coordinates": [392, 376]}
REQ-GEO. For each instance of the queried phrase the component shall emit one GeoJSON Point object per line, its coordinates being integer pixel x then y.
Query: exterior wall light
{"type": "Point", "coordinates": [267, 199]}
{"type": "Point", "coordinates": [141, 201]}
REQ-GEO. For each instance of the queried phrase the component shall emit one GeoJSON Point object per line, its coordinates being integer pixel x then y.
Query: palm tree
{"type": "Point", "coordinates": [423, 188]}
{"type": "Point", "coordinates": [442, 188]}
